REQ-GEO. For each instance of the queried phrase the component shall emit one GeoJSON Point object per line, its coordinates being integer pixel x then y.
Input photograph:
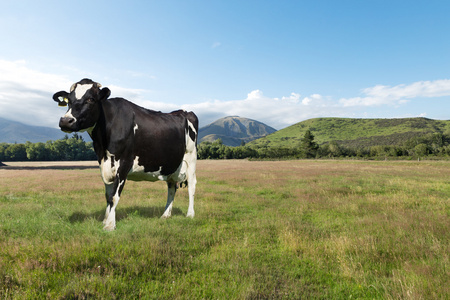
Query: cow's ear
{"type": "Point", "coordinates": [104, 94]}
{"type": "Point", "coordinates": [62, 98]}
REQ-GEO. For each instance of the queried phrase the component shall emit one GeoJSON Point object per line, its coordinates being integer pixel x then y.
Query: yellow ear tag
{"type": "Point", "coordinates": [64, 101]}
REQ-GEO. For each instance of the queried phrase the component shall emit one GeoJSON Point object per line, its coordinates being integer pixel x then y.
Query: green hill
{"type": "Point", "coordinates": [354, 132]}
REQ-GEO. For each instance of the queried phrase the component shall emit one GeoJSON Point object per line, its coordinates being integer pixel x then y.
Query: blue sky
{"type": "Point", "coordinates": [279, 62]}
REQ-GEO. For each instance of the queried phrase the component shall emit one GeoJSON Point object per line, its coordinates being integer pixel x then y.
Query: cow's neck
{"type": "Point", "coordinates": [98, 135]}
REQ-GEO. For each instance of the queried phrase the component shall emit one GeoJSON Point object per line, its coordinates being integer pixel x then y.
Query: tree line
{"type": "Point", "coordinates": [75, 148]}
{"type": "Point", "coordinates": [69, 148]}
{"type": "Point", "coordinates": [425, 145]}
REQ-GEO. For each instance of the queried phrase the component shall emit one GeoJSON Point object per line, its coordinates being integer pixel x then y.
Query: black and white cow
{"type": "Point", "coordinates": [132, 142]}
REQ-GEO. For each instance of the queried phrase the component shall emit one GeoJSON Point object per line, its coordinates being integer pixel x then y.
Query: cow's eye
{"type": "Point", "coordinates": [90, 100]}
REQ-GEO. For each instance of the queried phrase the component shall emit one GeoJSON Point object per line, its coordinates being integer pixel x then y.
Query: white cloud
{"type": "Point", "coordinates": [313, 99]}
{"type": "Point", "coordinates": [26, 96]}
{"type": "Point", "coordinates": [255, 95]}
{"type": "Point", "coordinates": [399, 94]}
{"type": "Point", "coordinates": [294, 98]}
{"type": "Point", "coordinates": [275, 112]}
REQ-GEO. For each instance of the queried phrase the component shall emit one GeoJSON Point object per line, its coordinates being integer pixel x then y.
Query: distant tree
{"type": "Point", "coordinates": [16, 152]}
{"type": "Point", "coordinates": [3, 147]}
{"type": "Point", "coordinates": [421, 150]}
{"type": "Point", "coordinates": [37, 152]}
{"type": "Point", "coordinates": [203, 150]}
{"type": "Point", "coordinates": [76, 136]}
{"type": "Point", "coordinates": [308, 147]}
{"type": "Point", "coordinates": [334, 150]}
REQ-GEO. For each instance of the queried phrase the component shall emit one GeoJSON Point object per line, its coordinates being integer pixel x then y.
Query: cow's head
{"type": "Point", "coordinates": [84, 101]}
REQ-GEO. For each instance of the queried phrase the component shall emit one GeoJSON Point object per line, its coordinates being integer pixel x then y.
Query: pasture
{"type": "Point", "coordinates": [262, 230]}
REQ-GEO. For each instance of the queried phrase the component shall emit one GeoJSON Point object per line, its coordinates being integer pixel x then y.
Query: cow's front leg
{"type": "Point", "coordinates": [171, 190]}
{"type": "Point", "coordinates": [113, 200]}
{"type": "Point", "coordinates": [108, 194]}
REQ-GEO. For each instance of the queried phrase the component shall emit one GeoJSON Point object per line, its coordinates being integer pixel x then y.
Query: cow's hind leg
{"type": "Point", "coordinates": [113, 200]}
{"type": "Point", "coordinates": [192, 181]}
{"type": "Point", "coordinates": [191, 190]}
{"type": "Point", "coordinates": [171, 190]}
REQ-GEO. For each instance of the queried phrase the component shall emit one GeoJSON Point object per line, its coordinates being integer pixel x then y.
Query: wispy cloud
{"type": "Point", "coordinates": [25, 96]}
{"type": "Point", "coordinates": [127, 93]}
{"type": "Point", "coordinates": [140, 75]}
{"type": "Point", "coordinates": [399, 94]}
{"type": "Point", "coordinates": [216, 44]}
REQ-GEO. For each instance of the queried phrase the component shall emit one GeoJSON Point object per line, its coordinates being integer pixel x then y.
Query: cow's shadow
{"type": "Point", "coordinates": [123, 213]}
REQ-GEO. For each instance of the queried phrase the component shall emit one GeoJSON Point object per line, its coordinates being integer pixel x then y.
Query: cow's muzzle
{"type": "Point", "coordinates": [67, 124]}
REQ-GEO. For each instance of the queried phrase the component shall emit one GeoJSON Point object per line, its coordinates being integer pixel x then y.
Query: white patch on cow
{"type": "Point", "coordinates": [137, 173]}
{"type": "Point", "coordinates": [81, 89]}
{"type": "Point", "coordinates": [137, 168]}
{"type": "Point", "coordinates": [109, 167]}
{"type": "Point", "coordinates": [190, 144]}
{"type": "Point", "coordinates": [116, 196]}
{"type": "Point", "coordinates": [192, 127]}
{"type": "Point", "coordinates": [69, 115]}
{"type": "Point", "coordinates": [135, 128]}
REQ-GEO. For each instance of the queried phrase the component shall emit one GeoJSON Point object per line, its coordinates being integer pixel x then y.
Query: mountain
{"type": "Point", "coordinates": [16, 132]}
{"type": "Point", "coordinates": [234, 130]}
{"type": "Point", "coordinates": [354, 132]}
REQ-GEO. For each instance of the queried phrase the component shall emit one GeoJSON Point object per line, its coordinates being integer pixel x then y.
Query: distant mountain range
{"type": "Point", "coordinates": [234, 131]}
{"type": "Point", "coordinates": [16, 132]}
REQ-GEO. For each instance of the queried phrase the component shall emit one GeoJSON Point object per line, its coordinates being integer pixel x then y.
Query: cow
{"type": "Point", "coordinates": [132, 142]}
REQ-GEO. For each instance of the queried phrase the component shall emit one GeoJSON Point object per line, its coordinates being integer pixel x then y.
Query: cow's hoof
{"type": "Point", "coordinates": [109, 228]}
{"type": "Point", "coordinates": [190, 214]}
{"type": "Point", "coordinates": [167, 213]}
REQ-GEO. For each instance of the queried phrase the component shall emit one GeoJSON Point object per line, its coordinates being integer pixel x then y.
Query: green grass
{"type": "Point", "coordinates": [289, 229]}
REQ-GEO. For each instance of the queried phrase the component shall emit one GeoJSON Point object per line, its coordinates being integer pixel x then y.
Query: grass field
{"type": "Point", "coordinates": [262, 230]}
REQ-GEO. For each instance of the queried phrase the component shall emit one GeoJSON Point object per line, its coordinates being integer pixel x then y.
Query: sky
{"type": "Point", "coordinates": [278, 62]}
